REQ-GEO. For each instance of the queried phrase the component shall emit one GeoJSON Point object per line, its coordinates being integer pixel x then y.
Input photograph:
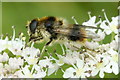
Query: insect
{"type": "Point", "coordinates": [52, 29]}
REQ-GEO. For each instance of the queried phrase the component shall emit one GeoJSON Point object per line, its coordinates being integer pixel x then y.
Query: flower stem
{"type": "Point", "coordinates": [63, 50]}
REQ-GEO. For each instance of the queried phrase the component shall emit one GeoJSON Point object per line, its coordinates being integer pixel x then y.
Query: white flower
{"type": "Point", "coordinates": [92, 45]}
{"type": "Point", "coordinates": [31, 60]}
{"type": "Point", "coordinates": [114, 24]}
{"type": "Point", "coordinates": [15, 63]}
{"type": "Point", "coordinates": [100, 34]}
{"type": "Point", "coordinates": [70, 57]}
{"type": "Point", "coordinates": [46, 63]}
{"type": "Point", "coordinates": [40, 73]}
{"type": "Point", "coordinates": [77, 72]}
{"type": "Point", "coordinates": [104, 47]}
{"type": "Point", "coordinates": [105, 27]}
{"type": "Point", "coordinates": [117, 38]}
{"type": "Point", "coordinates": [114, 54]}
{"type": "Point", "coordinates": [16, 46]}
{"type": "Point", "coordinates": [90, 22]}
{"type": "Point", "coordinates": [26, 73]}
{"type": "Point", "coordinates": [69, 73]}
{"type": "Point", "coordinates": [60, 62]}
{"type": "Point", "coordinates": [111, 27]}
{"type": "Point", "coordinates": [1, 68]}
{"type": "Point", "coordinates": [30, 51]}
{"type": "Point", "coordinates": [91, 33]}
{"type": "Point", "coordinates": [30, 55]}
{"type": "Point", "coordinates": [101, 66]}
{"type": "Point", "coordinates": [53, 69]}
{"type": "Point", "coordinates": [114, 61]}
{"type": "Point", "coordinates": [114, 45]}
{"type": "Point", "coordinates": [4, 57]}
{"type": "Point", "coordinates": [4, 44]}
{"type": "Point", "coordinates": [56, 65]}
{"type": "Point", "coordinates": [18, 74]}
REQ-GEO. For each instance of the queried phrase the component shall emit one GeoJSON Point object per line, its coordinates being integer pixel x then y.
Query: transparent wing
{"type": "Point", "coordinates": [86, 31]}
{"type": "Point", "coordinates": [84, 26]}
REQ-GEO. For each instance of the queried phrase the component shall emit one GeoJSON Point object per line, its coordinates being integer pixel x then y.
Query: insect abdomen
{"type": "Point", "coordinates": [77, 34]}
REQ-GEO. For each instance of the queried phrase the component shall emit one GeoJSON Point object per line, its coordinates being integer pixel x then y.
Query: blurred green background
{"type": "Point", "coordinates": [18, 13]}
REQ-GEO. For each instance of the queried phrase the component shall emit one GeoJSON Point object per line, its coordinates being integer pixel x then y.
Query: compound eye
{"type": "Point", "coordinates": [33, 25]}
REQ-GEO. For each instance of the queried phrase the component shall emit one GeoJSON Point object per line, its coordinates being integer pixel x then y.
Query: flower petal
{"type": "Point", "coordinates": [80, 63]}
{"type": "Point", "coordinates": [115, 68]}
{"type": "Point", "coordinates": [107, 69]}
{"type": "Point", "coordinates": [52, 70]}
{"type": "Point", "coordinates": [101, 74]}
{"type": "Point", "coordinates": [69, 73]}
{"type": "Point", "coordinates": [94, 72]}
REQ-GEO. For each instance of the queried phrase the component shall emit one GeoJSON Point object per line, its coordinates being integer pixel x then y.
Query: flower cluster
{"type": "Point", "coordinates": [97, 57]}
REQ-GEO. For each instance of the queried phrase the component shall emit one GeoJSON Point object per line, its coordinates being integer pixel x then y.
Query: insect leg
{"type": "Point", "coordinates": [51, 39]}
{"type": "Point", "coordinates": [35, 39]}
{"type": "Point", "coordinates": [92, 50]}
{"type": "Point", "coordinates": [43, 49]}
{"type": "Point", "coordinates": [77, 48]}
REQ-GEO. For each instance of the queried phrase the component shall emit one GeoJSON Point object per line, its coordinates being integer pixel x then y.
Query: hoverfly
{"type": "Point", "coordinates": [52, 29]}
